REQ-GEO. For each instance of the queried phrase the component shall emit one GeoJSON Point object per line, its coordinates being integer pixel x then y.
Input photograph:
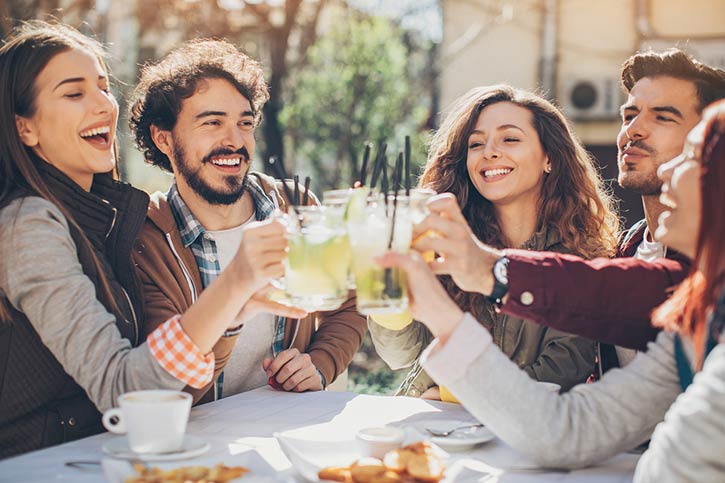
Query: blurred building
{"type": "Point", "coordinates": [572, 51]}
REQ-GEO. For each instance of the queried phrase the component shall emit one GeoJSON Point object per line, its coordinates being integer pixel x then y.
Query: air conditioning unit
{"type": "Point", "coordinates": [592, 99]}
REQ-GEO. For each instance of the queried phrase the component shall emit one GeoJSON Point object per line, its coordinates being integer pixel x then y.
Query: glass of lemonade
{"type": "Point", "coordinates": [318, 260]}
{"type": "Point", "coordinates": [418, 210]}
{"type": "Point", "coordinates": [369, 226]}
{"type": "Point", "coordinates": [335, 203]}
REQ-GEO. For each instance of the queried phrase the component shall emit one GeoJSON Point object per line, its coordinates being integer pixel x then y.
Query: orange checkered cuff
{"type": "Point", "coordinates": [179, 356]}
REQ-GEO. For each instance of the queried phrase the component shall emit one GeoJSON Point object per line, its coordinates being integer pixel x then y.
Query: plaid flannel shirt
{"type": "Point", "coordinates": [204, 248]}
{"type": "Point", "coordinates": [178, 354]}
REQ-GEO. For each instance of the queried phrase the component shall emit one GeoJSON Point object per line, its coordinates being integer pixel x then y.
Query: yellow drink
{"type": "Point", "coordinates": [446, 395]}
{"type": "Point", "coordinates": [393, 321]}
{"type": "Point", "coordinates": [318, 261]}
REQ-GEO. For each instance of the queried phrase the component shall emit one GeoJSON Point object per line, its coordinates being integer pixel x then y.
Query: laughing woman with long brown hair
{"type": "Point", "coordinates": [70, 311]}
{"type": "Point", "coordinates": [524, 181]}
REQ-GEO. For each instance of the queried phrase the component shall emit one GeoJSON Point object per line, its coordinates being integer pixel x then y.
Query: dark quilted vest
{"type": "Point", "coordinates": [40, 404]}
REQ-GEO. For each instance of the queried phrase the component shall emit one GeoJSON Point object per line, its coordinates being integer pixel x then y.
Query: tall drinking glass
{"type": "Point", "coordinates": [376, 227]}
{"type": "Point", "coordinates": [318, 260]}
{"type": "Point", "coordinates": [418, 211]}
{"type": "Point", "coordinates": [335, 203]}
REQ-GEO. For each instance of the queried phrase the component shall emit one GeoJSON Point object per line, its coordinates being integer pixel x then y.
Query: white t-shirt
{"type": "Point", "coordinates": [243, 371]}
{"type": "Point", "coordinates": [649, 251]}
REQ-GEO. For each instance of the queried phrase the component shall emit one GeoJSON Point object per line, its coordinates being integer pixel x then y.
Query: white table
{"type": "Point", "coordinates": [240, 430]}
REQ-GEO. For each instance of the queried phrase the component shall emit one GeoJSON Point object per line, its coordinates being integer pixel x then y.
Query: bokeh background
{"type": "Point", "coordinates": [344, 72]}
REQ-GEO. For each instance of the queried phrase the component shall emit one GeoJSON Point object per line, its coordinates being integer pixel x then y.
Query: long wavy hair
{"type": "Point", "coordinates": [686, 311]}
{"type": "Point", "coordinates": [573, 201]}
{"type": "Point", "coordinates": [22, 58]}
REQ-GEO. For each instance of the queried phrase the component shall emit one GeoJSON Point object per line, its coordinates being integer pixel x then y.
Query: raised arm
{"type": "Point", "coordinates": [589, 423]}
{"type": "Point", "coordinates": [608, 300]}
{"type": "Point", "coordinates": [41, 276]}
{"type": "Point", "coordinates": [603, 299]}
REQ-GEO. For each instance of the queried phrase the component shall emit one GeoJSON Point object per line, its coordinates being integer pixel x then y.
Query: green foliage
{"type": "Point", "coordinates": [357, 86]}
{"type": "Point", "coordinates": [368, 374]}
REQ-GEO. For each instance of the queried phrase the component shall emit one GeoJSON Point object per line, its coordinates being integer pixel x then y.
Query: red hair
{"type": "Point", "coordinates": [686, 311]}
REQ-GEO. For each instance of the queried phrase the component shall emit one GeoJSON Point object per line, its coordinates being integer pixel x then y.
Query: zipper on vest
{"type": "Point", "coordinates": [113, 220]}
{"type": "Point", "coordinates": [187, 275]}
{"type": "Point", "coordinates": [133, 316]}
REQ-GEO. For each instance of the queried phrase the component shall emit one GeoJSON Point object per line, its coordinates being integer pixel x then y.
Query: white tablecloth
{"type": "Point", "coordinates": [240, 430]}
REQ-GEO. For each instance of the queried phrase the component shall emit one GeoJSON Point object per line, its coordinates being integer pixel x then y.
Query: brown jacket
{"type": "Point", "coordinates": [171, 283]}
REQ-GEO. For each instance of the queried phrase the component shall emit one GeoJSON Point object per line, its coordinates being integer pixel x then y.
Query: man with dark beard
{"type": "Point", "coordinates": [194, 114]}
{"type": "Point", "coordinates": [605, 300]}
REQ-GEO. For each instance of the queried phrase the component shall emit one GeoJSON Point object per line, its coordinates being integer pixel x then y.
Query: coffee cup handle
{"type": "Point", "coordinates": [118, 427]}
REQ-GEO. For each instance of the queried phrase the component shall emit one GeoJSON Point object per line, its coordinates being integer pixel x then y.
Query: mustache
{"type": "Point", "coordinates": [226, 152]}
{"type": "Point", "coordinates": [639, 144]}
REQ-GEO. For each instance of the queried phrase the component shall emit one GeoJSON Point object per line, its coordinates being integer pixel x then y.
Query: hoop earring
{"type": "Point", "coordinates": [547, 169]}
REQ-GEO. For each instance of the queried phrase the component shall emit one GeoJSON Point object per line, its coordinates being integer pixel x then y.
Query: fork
{"type": "Point", "coordinates": [442, 434]}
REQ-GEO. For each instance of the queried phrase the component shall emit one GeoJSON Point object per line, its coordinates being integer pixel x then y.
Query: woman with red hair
{"type": "Point", "coordinates": [676, 388]}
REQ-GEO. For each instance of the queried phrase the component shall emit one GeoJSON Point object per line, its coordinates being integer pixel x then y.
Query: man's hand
{"type": "Point", "coordinates": [460, 254]}
{"type": "Point", "coordinates": [260, 303]}
{"type": "Point", "coordinates": [293, 371]}
{"type": "Point", "coordinates": [259, 257]}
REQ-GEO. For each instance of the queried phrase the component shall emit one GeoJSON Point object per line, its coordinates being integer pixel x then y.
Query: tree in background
{"type": "Point", "coordinates": [360, 84]}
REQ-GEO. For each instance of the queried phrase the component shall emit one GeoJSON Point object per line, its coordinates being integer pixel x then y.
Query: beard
{"type": "Point", "coordinates": [639, 179]}
{"type": "Point", "coordinates": [235, 186]}
{"type": "Point", "coordinates": [640, 182]}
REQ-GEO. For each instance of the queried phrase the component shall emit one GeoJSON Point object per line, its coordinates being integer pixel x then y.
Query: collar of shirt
{"type": "Point", "coordinates": [191, 229]}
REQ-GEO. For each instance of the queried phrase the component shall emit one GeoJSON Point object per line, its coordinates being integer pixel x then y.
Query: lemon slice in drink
{"type": "Point", "coordinates": [355, 209]}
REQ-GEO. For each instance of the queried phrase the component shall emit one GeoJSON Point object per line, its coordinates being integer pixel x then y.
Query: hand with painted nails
{"type": "Point", "coordinates": [292, 371]}
{"type": "Point", "coordinates": [460, 254]}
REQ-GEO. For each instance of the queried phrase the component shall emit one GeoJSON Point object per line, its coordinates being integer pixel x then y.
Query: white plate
{"type": "Point", "coordinates": [309, 457]}
{"type": "Point", "coordinates": [458, 441]}
{"type": "Point", "coordinates": [193, 446]}
{"type": "Point", "coordinates": [118, 471]}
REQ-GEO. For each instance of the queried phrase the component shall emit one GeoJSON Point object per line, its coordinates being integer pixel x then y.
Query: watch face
{"type": "Point", "coordinates": [500, 270]}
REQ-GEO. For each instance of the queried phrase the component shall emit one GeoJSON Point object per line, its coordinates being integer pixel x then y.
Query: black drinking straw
{"type": "Point", "coordinates": [377, 166]}
{"type": "Point", "coordinates": [407, 165]}
{"type": "Point", "coordinates": [397, 174]}
{"type": "Point", "coordinates": [277, 166]}
{"type": "Point", "coordinates": [297, 190]}
{"type": "Point", "coordinates": [306, 196]}
{"type": "Point", "coordinates": [364, 168]}
{"type": "Point", "coordinates": [384, 183]}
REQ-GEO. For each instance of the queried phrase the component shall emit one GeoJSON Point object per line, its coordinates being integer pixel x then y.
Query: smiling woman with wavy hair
{"type": "Point", "coordinates": [522, 180]}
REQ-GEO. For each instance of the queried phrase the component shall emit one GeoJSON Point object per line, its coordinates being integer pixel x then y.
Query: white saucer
{"type": "Point", "coordinates": [193, 446]}
{"type": "Point", "coordinates": [458, 441]}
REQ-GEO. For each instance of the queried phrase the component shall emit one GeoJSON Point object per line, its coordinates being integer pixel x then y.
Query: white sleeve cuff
{"type": "Point", "coordinates": [447, 362]}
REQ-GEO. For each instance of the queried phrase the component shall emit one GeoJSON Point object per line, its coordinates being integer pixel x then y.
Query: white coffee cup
{"type": "Point", "coordinates": [154, 420]}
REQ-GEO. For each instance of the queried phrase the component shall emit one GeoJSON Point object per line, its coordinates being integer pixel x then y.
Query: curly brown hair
{"type": "Point", "coordinates": [574, 202]}
{"type": "Point", "coordinates": [163, 87]}
{"type": "Point", "coordinates": [709, 81]}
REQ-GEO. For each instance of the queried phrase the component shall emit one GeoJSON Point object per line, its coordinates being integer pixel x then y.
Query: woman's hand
{"type": "Point", "coordinates": [460, 254]}
{"type": "Point", "coordinates": [429, 301]}
{"type": "Point", "coordinates": [259, 257]}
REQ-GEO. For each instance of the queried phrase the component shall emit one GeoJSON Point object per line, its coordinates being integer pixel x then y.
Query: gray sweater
{"type": "Point", "coordinates": [592, 422]}
{"type": "Point", "coordinates": [41, 276]}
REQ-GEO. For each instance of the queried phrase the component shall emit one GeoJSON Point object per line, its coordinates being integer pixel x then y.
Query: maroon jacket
{"type": "Point", "coordinates": [609, 300]}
